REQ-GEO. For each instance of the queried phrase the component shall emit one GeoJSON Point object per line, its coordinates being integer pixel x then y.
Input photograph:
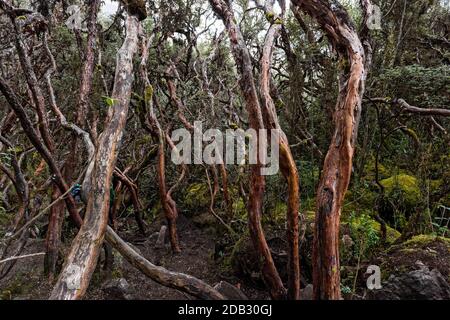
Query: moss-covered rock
{"type": "Point", "coordinates": [402, 198]}
{"type": "Point", "coordinates": [404, 186]}
{"type": "Point", "coordinates": [433, 251]}
{"type": "Point", "coordinates": [424, 240]}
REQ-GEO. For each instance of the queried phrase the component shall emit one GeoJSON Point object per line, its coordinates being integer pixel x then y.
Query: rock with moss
{"type": "Point", "coordinates": [401, 199]}
{"type": "Point", "coordinates": [419, 284]}
{"type": "Point", "coordinates": [416, 269]}
{"type": "Point", "coordinates": [433, 251]}
{"type": "Point", "coordinates": [407, 186]}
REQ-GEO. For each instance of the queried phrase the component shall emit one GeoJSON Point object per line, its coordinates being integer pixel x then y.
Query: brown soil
{"type": "Point", "coordinates": [27, 281]}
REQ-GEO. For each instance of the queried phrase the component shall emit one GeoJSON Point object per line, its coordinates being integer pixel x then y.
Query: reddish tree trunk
{"type": "Point", "coordinates": [257, 181]}
{"type": "Point", "coordinates": [337, 167]}
{"type": "Point", "coordinates": [287, 164]}
{"type": "Point", "coordinates": [85, 81]}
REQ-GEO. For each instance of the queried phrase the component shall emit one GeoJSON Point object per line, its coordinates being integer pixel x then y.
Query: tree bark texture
{"type": "Point", "coordinates": [243, 61]}
{"type": "Point", "coordinates": [337, 167]}
{"type": "Point", "coordinates": [81, 261]}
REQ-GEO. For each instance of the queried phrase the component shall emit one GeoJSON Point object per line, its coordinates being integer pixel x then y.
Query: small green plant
{"type": "Point", "coordinates": [346, 289]}
{"type": "Point", "coordinates": [364, 233]}
{"type": "Point", "coordinates": [110, 102]}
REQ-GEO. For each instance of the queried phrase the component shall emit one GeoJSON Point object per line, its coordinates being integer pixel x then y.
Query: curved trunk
{"type": "Point", "coordinates": [337, 167]}
{"type": "Point", "coordinates": [257, 181]}
{"type": "Point", "coordinates": [287, 164]}
{"type": "Point", "coordinates": [179, 281]}
{"type": "Point", "coordinates": [81, 261]}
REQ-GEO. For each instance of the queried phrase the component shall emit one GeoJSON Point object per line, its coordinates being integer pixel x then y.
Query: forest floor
{"type": "Point", "coordinates": [27, 281]}
{"type": "Point", "coordinates": [401, 265]}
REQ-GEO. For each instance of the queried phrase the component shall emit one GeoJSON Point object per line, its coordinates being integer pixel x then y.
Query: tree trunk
{"type": "Point", "coordinates": [337, 167]}
{"type": "Point", "coordinates": [53, 237]}
{"type": "Point", "coordinates": [85, 82]}
{"type": "Point", "coordinates": [178, 281]}
{"type": "Point", "coordinates": [41, 148]}
{"type": "Point", "coordinates": [257, 181]}
{"type": "Point", "coordinates": [74, 278]}
{"type": "Point", "coordinates": [287, 164]}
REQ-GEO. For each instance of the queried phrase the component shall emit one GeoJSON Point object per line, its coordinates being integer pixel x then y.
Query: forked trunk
{"type": "Point", "coordinates": [257, 182]}
{"type": "Point", "coordinates": [81, 261]}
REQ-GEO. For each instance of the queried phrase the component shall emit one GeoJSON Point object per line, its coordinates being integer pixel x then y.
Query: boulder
{"type": "Point", "coordinates": [118, 289]}
{"type": "Point", "coordinates": [229, 291]}
{"type": "Point", "coordinates": [420, 284]}
{"type": "Point", "coordinates": [416, 269]}
{"type": "Point", "coordinates": [307, 293]}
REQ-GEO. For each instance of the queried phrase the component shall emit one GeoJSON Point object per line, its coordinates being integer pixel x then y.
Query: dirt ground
{"type": "Point", "coordinates": [27, 281]}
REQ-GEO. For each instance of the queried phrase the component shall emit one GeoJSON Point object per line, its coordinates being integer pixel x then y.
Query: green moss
{"type": "Point", "coordinates": [423, 239]}
{"type": "Point", "coordinates": [433, 251]}
{"type": "Point", "coordinates": [239, 208]}
{"type": "Point", "coordinates": [276, 215]}
{"type": "Point", "coordinates": [148, 95]}
{"type": "Point", "coordinates": [117, 273]}
{"type": "Point", "coordinates": [364, 221]}
{"type": "Point", "coordinates": [310, 216]}
{"type": "Point", "coordinates": [435, 185]}
{"type": "Point", "coordinates": [404, 184]}
{"type": "Point", "coordinates": [197, 196]}
{"type": "Point", "coordinates": [270, 16]}
{"type": "Point", "coordinates": [391, 234]}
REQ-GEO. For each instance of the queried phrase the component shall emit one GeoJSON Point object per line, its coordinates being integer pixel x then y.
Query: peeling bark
{"type": "Point", "coordinates": [287, 163]}
{"type": "Point", "coordinates": [179, 281]}
{"type": "Point", "coordinates": [337, 167]}
{"type": "Point", "coordinates": [81, 261]}
{"type": "Point", "coordinates": [86, 80]}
